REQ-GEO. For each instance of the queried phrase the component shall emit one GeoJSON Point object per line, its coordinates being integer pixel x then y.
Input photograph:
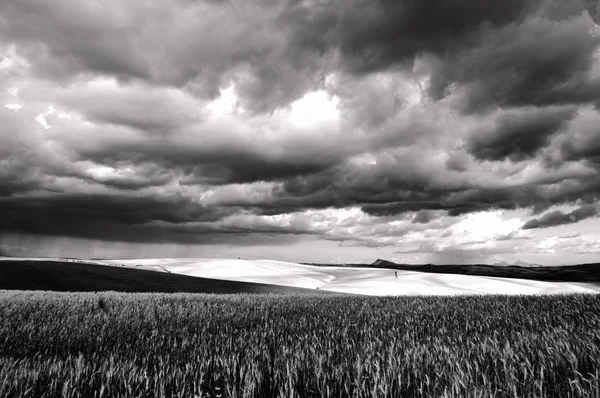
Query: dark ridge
{"type": "Point", "coordinates": [80, 277]}
{"type": "Point", "coordinates": [381, 263]}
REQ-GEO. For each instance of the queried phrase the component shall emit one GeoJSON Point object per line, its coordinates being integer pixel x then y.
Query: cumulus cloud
{"type": "Point", "coordinates": [537, 62]}
{"type": "Point", "coordinates": [365, 123]}
{"type": "Point", "coordinates": [373, 36]}
{"type": "Point", "coordinates": [422, 217]}
{"type": "Point", "coordinates": [558, 218]}
{"type": "Point", "coordinates": [519, 133]}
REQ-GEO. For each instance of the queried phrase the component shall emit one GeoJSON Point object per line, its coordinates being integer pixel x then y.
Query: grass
{"type": "Point", "coordinates": [186, 345]}
{"type": "Point", "coordinates": [80, 277]}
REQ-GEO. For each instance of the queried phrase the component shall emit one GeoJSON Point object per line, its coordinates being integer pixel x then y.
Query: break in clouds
{"type": "Point", "coordinates": [423, 126]}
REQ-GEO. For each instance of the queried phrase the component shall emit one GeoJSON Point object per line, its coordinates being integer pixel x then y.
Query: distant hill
{"type": "Point", "coordinates": [80, 277]}
{"type": "Point", "coordinates": [519, 263]}
{"type": "Point", "coordinates": [381, 263]}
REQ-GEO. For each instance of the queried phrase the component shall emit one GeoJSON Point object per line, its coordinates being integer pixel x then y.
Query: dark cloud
{"type": "Point", "coordinates": [65, 37]}
{"type": "Point", "coordinates": [379, 194]}
{"type": "Point", "coordinates": [206, 154]}
{"type": "Point", "coordinates": [422, 217]}
{"type": "Point", "coordinates": [458, 161]}
{"type": "Point", "coordinates": [513, 53]}
{"type": "Point", "coordinates": [171, 42]}
{"type": "Point", "coordinates": [519, 134]}
{"type": "Point", "coordinates": [374, 36]}
{"type": "Point", "coordinates": [141, 177]}
{"type": "Point", "coordinates": [147, 108]}
{"type": "Point", "coordinates": [442, 107]}
{"type": "Point", "coordinates": [276, 52]}
{"type": "Point", "coordinates": [222, 166]}
{"type": "Point", "coordinates": [583, 139]}
{"type": "Point", "coordinates": [537, 62]}
{"type": "Point", "coordinates": [120, 209]}
{"type": "Point", "coordinates": [382, 190]}
{"type": "Point", "coordinates": [559, 218]}
{"type": "Point", "coordinates": [388, 209]}
{"type": "Point", "coordinates": [135, 219]}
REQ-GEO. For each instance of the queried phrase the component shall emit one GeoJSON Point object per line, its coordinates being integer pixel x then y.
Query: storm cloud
{"type": "Point", "coordinates": [519, 134]}
{"type": "Point", "coordinates": [558, 218]}
{"type": "Point", "coordinates": [379, 124]}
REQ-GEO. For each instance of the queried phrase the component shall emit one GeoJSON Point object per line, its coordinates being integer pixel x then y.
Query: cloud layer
{"type": "Point", "coordinates": [377, 124]}
{"type": "Point", "coordinates": [558, 218]}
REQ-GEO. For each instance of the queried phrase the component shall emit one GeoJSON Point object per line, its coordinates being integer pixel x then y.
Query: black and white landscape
{"type": "Point", "coordinates": [211, 275]}
{"type": "Point", "coordinates": [300, 198]}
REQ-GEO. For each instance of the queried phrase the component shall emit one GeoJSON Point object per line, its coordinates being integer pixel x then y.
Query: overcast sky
{"type": "Point", "coordinates": [325, 131]}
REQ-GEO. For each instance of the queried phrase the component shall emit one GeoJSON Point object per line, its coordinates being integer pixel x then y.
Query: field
{"type": "Point", "coordinates": [375, 281]}
{"type": "Point", "coordinates": [565, 273]}
{"type": "Point", "coordinates": [186, 345]}
{"type": "Point", "coordinates": [202, 275]}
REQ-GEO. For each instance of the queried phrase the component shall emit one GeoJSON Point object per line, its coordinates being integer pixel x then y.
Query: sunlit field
{"type": "Point", "coordinates": [186, 345]}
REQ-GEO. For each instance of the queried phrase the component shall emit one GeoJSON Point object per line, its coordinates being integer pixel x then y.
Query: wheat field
{"type": "Point", "coordinates": [195, 345]}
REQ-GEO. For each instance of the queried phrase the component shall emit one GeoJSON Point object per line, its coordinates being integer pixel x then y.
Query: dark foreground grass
{"type": "Point", "coordinates": [185, 345]}
{"type": "Point", "coordinates": [66, 276]}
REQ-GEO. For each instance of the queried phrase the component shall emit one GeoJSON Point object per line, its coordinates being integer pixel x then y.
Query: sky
{"type": "Point", "coordinates": [430, 131]}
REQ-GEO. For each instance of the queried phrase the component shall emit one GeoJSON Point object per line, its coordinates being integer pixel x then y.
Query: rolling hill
{"type": "Point", "coordinates": [209, 275]}
{"type": "Point", "coordinates": [382, 280]}
{"type": "Point", "coordinates": [566, 273]}
{"type": "Point", "coordinates": [81, 277]}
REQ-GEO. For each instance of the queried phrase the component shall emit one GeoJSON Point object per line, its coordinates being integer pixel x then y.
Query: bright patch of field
{"type": "Point", "coordinates": [370, 281]}
{"type": "Point", "coordinates": [186, 345]}
{"type": "Point", "coordinates": [383, 282]}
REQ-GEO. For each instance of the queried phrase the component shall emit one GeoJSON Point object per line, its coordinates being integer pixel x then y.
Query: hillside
{"type": "Point", "coordinates": [566, 273]}
{"type": "Point", "coordinates": [264, 276]}
{"type": "Point", "coordinates": [378, 281]}
{"type": "Point", "coordinates": [81, 277]}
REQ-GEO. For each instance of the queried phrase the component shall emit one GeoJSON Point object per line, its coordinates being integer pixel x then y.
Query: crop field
{"type": "Point", "coordinates": [196, 345]}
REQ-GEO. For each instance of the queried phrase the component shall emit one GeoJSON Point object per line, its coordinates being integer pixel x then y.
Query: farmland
{"type": "Point", "coordinates": [185, 345]}
{"type": "Point", "coordinates": [81, 277]}
{"type": "Point", "coordinates": [222, 275]}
